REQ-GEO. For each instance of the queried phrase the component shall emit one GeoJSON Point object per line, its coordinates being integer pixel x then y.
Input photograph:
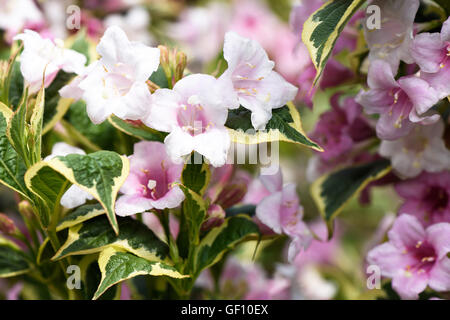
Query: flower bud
{"type": "Point", "coordinates": [180, 64]}
{"type": "Point", "coordinates": [7, 225]}
{"type": "Point", "coordinates": [26, 210]}
{"type": "Point", "coordinates": [231, 194]}
{"type": "Point", "coordinates": [215, 216]}
{"type": "Point", "coordinates": [164, 60]}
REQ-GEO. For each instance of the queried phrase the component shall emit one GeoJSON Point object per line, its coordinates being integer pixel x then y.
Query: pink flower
{"type": "Point", "coordinates": [427, 197]}
{"type": "Point", "coordinates": [257, 87]}
{"type": "Point", "coordinates": [414, 257]}
{"type": "Point", "coordinates": [340, 128]}
{"type": "Point", "coordinates": [255, 282]}
{"type": "Point", "coordinates": [152, 222]}
{"type": "Point", "coordinates": [391, 42]}
{"type": "Point", "coordinates": [200, 30]}
{"type": "Point", "coordinates": [194, 113]}
{"type": "Point", "coordinates": [400, 103]}
{"type": "Point", "coordinates": [431, 51]}
{"type": "Point", "coordinates": [281, 211]}
{"type": "Point", "coordinates": [150, 184]}
{"type": "Point", "coordinates": [422, 149]}
{"type": "Point", "coordinates": [252, 19]}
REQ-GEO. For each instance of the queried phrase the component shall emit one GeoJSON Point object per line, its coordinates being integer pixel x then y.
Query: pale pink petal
{"type": "Point", "coordinates": [273, 182]}
{"type": "Point", "coordinates": [268, 211]}
{"type": "Point", "coordinates": [440, 275]}
{"type": "Point", "coordinates": [408, 287]}
{"type": "Point", "coordinates": [128, 205]}
{"type": "Point", "coordinates": [419, 92]}
{"type": "Point", "coordinates": [171, 199]}
{"type": "Point", "coordinates": [427, 50]}
{"type": "Point", "coordinates": [406, 232]}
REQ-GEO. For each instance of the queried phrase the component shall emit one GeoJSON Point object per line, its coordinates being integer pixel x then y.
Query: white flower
{"type": "Point", "coordinates": [194, 113]}
{"type": "Point", "coordinates": [74, 196]}
{"type": "Point", "coordinates": [116, 84]}
{"type": "Point", "coordinates": [15, 14]}
{"type": "Point", "coordinates": [135, 24]}
{"type": "Point", "coordinates": [422, 149]}
{"type": "Point", "coordinates": [43, 55]}
{"type": "Point", "coordinates": [257, 87]}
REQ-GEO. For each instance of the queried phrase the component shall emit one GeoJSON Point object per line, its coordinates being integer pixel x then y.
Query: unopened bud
{"type": "Point", "coordinates": [152, 86]}
{"type": "Point", "coordinates": [164, 60]}
{"type": "Point", "coordinates": [231, 194]}
{"type": "Point", "coordinates": [180, 65]}
{"type": "Point", "coordinates": [215, 216]}
{"type": "Point", "coordinates": [26, 210]}
{"type": "Point", "coordinates": [7, 225]}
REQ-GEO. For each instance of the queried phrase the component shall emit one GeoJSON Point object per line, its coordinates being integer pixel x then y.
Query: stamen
{"type": "Point", "coordinates": [151, 184]}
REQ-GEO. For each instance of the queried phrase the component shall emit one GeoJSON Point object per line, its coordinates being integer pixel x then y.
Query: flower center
{"type": "Point", "coordinates": [154, 183]}
{"type": "Point", "coordinates": [438, 198]}
{"type": "Point", "coordinates": [425, 258]}
{"type": "Point", "coordinates": [116, 82]}
{"type": "Point", "coordinates": [401, 106]}
{"type": "Point", "coordinates": [192, 118]}
{"type": "Point", "coordinates": [446, 57]}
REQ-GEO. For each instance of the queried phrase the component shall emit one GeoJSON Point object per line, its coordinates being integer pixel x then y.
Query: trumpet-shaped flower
{"type": "Point", "coordinates": [427, 197]}
{"type": "Point", "coordinates": [74, 196]}
{"type": "Point", "coordinates": [45, 56]}
{"type": "Point", "coordinates": [400, 103]}
{"type": "Point", "coordinates": [392, 40]}
{"type": "Point", "coordinates": [194, 113]}
{"type": "Point", "coordinates": [414, 257]}
{"type": "Point", "coordinates": [339, 129]}
{"type": "Point", "coordinates": [257, 87]}
{"type": "Point", "coordinates": [281, 211]}
{"type": "Point", "coordinates": [422, 149]}
{"type": "Point", "coordinates": [431, 51]}
{"type": "Point", "coordinates": [116, 84]}
{"type": "Point", "coordinates": [151, 182]}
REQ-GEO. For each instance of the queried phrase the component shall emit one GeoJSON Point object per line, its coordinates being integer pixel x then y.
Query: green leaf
{"type": "Point", "coordinates": [195, 176]}
{"type": "Point", "coordinates": [137, 130]}
{"type": "Point", "coordinates": [81, 44]}
{"type": "Point", "coordinates": [116, 266]}
{"type": "Point", "coordinates": [194, 211]}
{"type": "Point", "coordinates": [50, 186]}
{"type": "Point", "coordinates": [159, 77]}
{"type": "Point", "coordinates": [223, 238]}
{"type": "Point", "coordinates": [285, 125]}
{"type": "Point", "coordinates": [94, 235]}
{"type": "Point", "coordinates": [444, 5]}
{"type": "Point", "coordinates": [80, 215]}
{"type": "Point", "coordinates": [12, 260]}
{"type": "Point", "coordinates": [101, 174]}
{"type": "Point", "coordinates": [36, 119]}
{"type": "Point", "coordinates": [323, 27]}
{"type": "Point", "coordinates": [55, 106]}
{"type": "Point", "coordinates": [12, 168]}
{"type": "Point", "coordinates": [333, 191]}
{"type": "Point", "coordinates": [15, 85]}
{"type": "Point", "coordinates": [91, 277]}
{"type": "Point", "coordinates": [95, 136]}
{"type": "Point", "coordinates": [17, 130]}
